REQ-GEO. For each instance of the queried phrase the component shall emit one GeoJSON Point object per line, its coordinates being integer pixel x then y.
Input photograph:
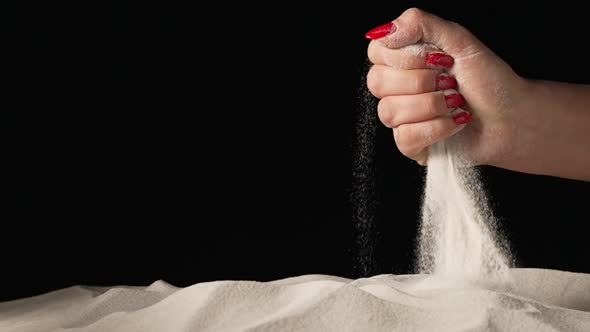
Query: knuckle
{"type": "Point", "coordinates": [412, 139]}
{"type": "Point", "coordinates": [373, 52]}
{"type": "Point", "coordinates": [405, 150]}
{"type": "Point", "coordinates": [424, 82]}
{"type": "Point", "coordinates": [431, 105]}
{"type": "Point", "coordinates": [385, 112]}
{"type": "Point", "coordinates": [460, 31]}
{"type": "Point", "coordinates": [421, 161]}
{"type": "Point", "coordinates": [403, 139]}
{"type": "Point", "coordinates": [374, 81]}
{"type": "Point", "coordinates": [415, 14]}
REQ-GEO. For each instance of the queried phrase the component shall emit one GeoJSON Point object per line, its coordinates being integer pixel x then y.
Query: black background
{"type": "Point", "coordinates": [186, 143]}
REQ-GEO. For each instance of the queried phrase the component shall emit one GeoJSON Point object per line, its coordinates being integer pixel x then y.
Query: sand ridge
{"type": "Point", "coordinates": [538, 299]}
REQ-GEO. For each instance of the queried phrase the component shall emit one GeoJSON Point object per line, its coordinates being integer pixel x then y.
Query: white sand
{"type": "Point", "coordinates": [544, 300]}
{"type": "Point", "coordinates": [458, 231]}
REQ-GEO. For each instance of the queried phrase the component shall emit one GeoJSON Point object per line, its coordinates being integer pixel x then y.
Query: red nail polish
{"type": "Point", "coordinates": [381, 31]}
{"type": "Point", "coordinates": [462, 118]}
{"type": "Point", "coordinates": [454, 100]}
{"type": "Point", "coordinates": [444, 82]}
{"type": "Point", "coordinates": [440, 60]}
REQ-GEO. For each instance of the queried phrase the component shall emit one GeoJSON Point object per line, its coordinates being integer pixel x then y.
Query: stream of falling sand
{"type": "Point", "coordinates": [458, 233]}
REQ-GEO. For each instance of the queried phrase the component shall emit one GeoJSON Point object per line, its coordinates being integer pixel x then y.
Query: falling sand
{"type": "Point", "coordinates": [458, 235]}
{"type": "Point", "coordinates": [458, 238]}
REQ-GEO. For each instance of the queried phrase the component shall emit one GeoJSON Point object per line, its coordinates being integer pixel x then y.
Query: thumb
{"type": "Point", "coordinates": [415, 25]}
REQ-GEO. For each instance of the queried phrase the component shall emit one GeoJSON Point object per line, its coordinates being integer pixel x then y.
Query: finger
{"type": "Point", "coordinates": [417, 25]}
{"type": "Point", "coordinates": [415, 56]}
{"type": "Point", "coordinates": [408, 57]}
{"type": "Point", "coordinates": [412, 138]}
{"type": "Point", "coordinates": [385, 81]}
{"type": "Point", "coordinates": [395, 111]}
{"type": "Point", "coordinates": [422, 158]}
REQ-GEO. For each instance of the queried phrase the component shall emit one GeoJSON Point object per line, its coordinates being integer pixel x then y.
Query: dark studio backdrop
{"type": "Point", "coordinates": [190, 144]}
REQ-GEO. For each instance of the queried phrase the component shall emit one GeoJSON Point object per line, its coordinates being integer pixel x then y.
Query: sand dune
{"type": "Point", "coordinates": [538, 300]}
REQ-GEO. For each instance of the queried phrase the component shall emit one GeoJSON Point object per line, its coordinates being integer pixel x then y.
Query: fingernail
{"type": "Point", "coordinates": [462, 118]}
{"type": "Point", "coordinates": [381, 31]}
{"type": "Point", "coordinates": [453, 98]}
{"type": "Point", "coordinates": [440, 60]}
{"type": "Point", "coordinates": [445, 81]}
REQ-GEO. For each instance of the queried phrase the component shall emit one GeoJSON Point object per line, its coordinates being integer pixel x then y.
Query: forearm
{"type": "Point", "coordinates": [553, 132]}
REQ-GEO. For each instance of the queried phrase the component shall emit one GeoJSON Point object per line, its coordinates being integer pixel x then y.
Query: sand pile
{"type": "Point", "coordinates": [538, 300]}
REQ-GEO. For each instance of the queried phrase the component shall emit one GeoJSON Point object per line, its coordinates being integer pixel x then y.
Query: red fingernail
{"type": "Point", "coordinates": [454, 100]}
{"type": "Point", "coordinates": [440, 59]}
{"type": "Point", "coordinates": [462, 118]}
{"type": "Point", "coordinates": [444, 81]}
{"type": "Point", "coordinates": [381, 31]}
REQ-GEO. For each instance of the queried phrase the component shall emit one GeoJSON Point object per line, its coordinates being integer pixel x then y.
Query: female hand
{"type": "Point", "coordinates": [435, 80]}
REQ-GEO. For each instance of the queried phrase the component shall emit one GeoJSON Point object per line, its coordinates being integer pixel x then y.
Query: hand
{"type": "Point", "coordinates": [476, 102]}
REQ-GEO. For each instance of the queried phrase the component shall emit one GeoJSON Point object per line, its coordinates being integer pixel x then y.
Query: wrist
{"type": "Point", "coordinates": [524, 125]}
{"type": "Point", "coordinates": [549, 131]}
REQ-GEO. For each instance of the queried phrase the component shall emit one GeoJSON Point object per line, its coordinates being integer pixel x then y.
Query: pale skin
{"type": "Point", "coordinates": [536, 127]}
